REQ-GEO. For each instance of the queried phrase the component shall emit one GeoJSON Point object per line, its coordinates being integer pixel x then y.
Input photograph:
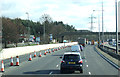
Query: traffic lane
{"type": "Point", "coordinates": [22, 58]}
{"type": "Point", "coordinates": [96, 65]}
{"type": "Point", "coordinates": [44, 63]}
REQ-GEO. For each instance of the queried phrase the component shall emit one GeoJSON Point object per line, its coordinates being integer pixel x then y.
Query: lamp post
{"type": "Point", "coordinates": [28, 26]}
{"type": "Point", "coordinates": [116, 27]}
{"type": "Point", "coordinates": [44, 28]}
{"type": "Point", "coordinates": [98, 25]}
{"type": "Point", "coordinates": [102, 26]}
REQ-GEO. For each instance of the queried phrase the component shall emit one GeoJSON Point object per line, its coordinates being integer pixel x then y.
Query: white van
{"type": "Point", "coordinates": [75, 48]}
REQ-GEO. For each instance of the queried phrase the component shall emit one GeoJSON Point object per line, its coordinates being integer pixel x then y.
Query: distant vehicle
{"type": "Point", "coordinates": [92, 42]}
{"type": "Point", "coordinates": [81, 47]}
{"type": "Point", "coordinates": [71, 61]}
{"type": "Point", "coordinates": [37, 39]}
{"type": "Point", "coordinates": [111, 41]}
{"type": "Point", "coordinates": [89, 43]}
{"type": "Point", "coordinates": [114, 44]}
{"type": "Point", "coordinates": [75, 48]}
{"type": "Point", "coordinates": [31, 39]}
{"type": "Point", "coordinates": [82, 41]}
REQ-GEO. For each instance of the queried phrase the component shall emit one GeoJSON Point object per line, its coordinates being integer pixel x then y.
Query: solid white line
{"type": "Point", "coordinates": [86, 65]}
{"type": "Point", "coordinates": [89, 73]}
{"type": "Point", "coordinates": [50, 72]}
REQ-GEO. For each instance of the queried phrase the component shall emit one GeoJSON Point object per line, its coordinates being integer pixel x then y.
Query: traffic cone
{"type": "Point", "coordinates": [40, 54]}
{"type": "Point", "coordinates": [49, 50]}
{"type": "Point", "coordinates": [45, 53]}
{"type": "Point", "coordinates": [30, 58]}
{"type": "Point", "coordinates": [11, 61]}
{"type": "Point", "coordinates": [34, 54]}
{"type": "Point", "coordinates": [2, 66]}
{"type": "Point", "coordinates": [53, 50]}
{"type": "Point", "coordinates": [17, 61]}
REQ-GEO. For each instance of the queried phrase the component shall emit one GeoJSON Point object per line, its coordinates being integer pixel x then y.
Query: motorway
{"type": "Point", "coordinates": [93, 64]}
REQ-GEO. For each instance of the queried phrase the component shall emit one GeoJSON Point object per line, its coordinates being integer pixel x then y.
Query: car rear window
{"type": "Point", "coordinates": [71, 57]}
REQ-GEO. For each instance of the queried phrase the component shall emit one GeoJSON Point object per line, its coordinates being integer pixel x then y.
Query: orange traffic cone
{"type": "Point", "coordinates": [11, 63]}
{"type": "Point", "coordinates": [17, 61]}
{"type": "Point", "coordinates": [30, 58]}
{"type": "Point", "coordinates": [2, 66]}
{"type": "Point", "coordinates": [34, 54]}
{"type": "Point", "coordinates": [40, 54]}
{"type": "Point", "coordinates": [45, 53]}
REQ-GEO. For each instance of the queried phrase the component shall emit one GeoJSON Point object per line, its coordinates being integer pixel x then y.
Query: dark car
{"type": "Point", "coordinates": [71, 61]}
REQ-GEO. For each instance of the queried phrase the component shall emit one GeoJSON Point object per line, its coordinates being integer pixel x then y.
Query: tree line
{"type": "Point", "coordinates": [14, 29]}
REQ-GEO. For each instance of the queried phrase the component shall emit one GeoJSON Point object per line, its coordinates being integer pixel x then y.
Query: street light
{"type": "Point", "coordinates": [102, 26]}
{"type": "Point", "coordinates": [28, 26]}
{"type": "Point", "coordinates": [44, 28]}
{"type": "Point", "coordinates": [27, 15]}
{"type": "Point", "coordinates": [116, 28]}
{"type": "Point", "coordinates": [98, 25]}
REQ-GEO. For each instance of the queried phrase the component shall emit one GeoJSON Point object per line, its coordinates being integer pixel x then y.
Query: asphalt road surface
{"type": "Point", "coordinates": [49, 64]}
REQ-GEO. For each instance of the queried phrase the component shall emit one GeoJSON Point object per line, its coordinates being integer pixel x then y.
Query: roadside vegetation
{"type": "Point", "coordinates": [16, 30]}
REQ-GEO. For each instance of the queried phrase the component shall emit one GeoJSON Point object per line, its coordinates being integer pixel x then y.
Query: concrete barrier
{"type": "Point", "coordinates": [7, 53]}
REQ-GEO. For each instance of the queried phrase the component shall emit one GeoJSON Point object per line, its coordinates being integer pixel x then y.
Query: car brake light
{"type": "Point", "coordinates": [62, 61]}
{"type": "Point", "coordinates": [80, 61]}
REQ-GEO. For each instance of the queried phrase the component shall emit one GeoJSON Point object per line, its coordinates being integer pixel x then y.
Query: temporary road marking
{"type": "Point", "coordinates": [86, 65]}
{"type": "Point", "coordinates": [89, 73]}
{"type": "Point", "coordinates": [57, 66]}
{"type": "Point", "coordinates": [85, 60]}
{"type": "Point", "coordinates": [50, 72]}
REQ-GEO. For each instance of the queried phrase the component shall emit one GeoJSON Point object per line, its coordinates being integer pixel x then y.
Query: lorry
{"type": "Point", "coordinates": [92, 42]}
{"type": "Point", "coordinates": [82, 41]}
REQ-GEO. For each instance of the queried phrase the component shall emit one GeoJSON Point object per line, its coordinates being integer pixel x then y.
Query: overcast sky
{"type": "Point", "coordinates": [72, 12]}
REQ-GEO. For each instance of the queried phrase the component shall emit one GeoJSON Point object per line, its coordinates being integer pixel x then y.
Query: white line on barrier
{"type": "Point", "coordinates": [50, 72]}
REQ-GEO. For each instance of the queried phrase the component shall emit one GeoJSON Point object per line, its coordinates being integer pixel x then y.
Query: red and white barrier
{"type": "Point", "coordinates": [2, 66]}
{"type": "Point", "coordinates": [30, 57]}
{"type": "Point", "coordinates": [40, 55]}
{"type": "Point", "coordinates": [11, 61]}
{"type": "Point", "coordinates": [34, 54]}
{"type": "Point", "coordinates": [17, 60]}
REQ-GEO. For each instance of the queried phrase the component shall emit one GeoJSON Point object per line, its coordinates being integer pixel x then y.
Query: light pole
{"type": "Point", "coordinates": [116, 27]}
{"type": "Point", "coordinates": [98, 25]}
{"type": "Point", "coordinates": [102, 26]}
{"type": "Point", "coordinates": [27, 15]}
{"type": "Point", "coordinates": [44, 28]}
{"type": "Point", "coordinates": [28, 26]}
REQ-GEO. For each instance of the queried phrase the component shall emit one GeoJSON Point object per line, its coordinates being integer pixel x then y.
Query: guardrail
{"type": "Point", "coordinates": [110, 51]}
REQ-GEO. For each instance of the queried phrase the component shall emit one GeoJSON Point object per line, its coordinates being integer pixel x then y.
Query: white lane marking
{"type": "Point", "coordinates": [57, 66]}
{"type": "Point", "coordinates": [89, 73]}
{"type": "Point", "coordinates": [86, 65]}
{"type": "Point", "coordinates": [50, 72]}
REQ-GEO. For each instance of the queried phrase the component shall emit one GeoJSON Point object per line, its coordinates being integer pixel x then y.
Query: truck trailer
{"type": "Point", "coordinates": [82, 41]}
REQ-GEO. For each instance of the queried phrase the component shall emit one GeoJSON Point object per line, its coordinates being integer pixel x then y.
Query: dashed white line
{"type": "Point", "coordinates": [86, 65]}
{"type": "Point", "coordinates": [89, 73]}
{"type": "Point", "coordinates": [50, 72]}
{"type": "Point", "coordinates": [57, 66]}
